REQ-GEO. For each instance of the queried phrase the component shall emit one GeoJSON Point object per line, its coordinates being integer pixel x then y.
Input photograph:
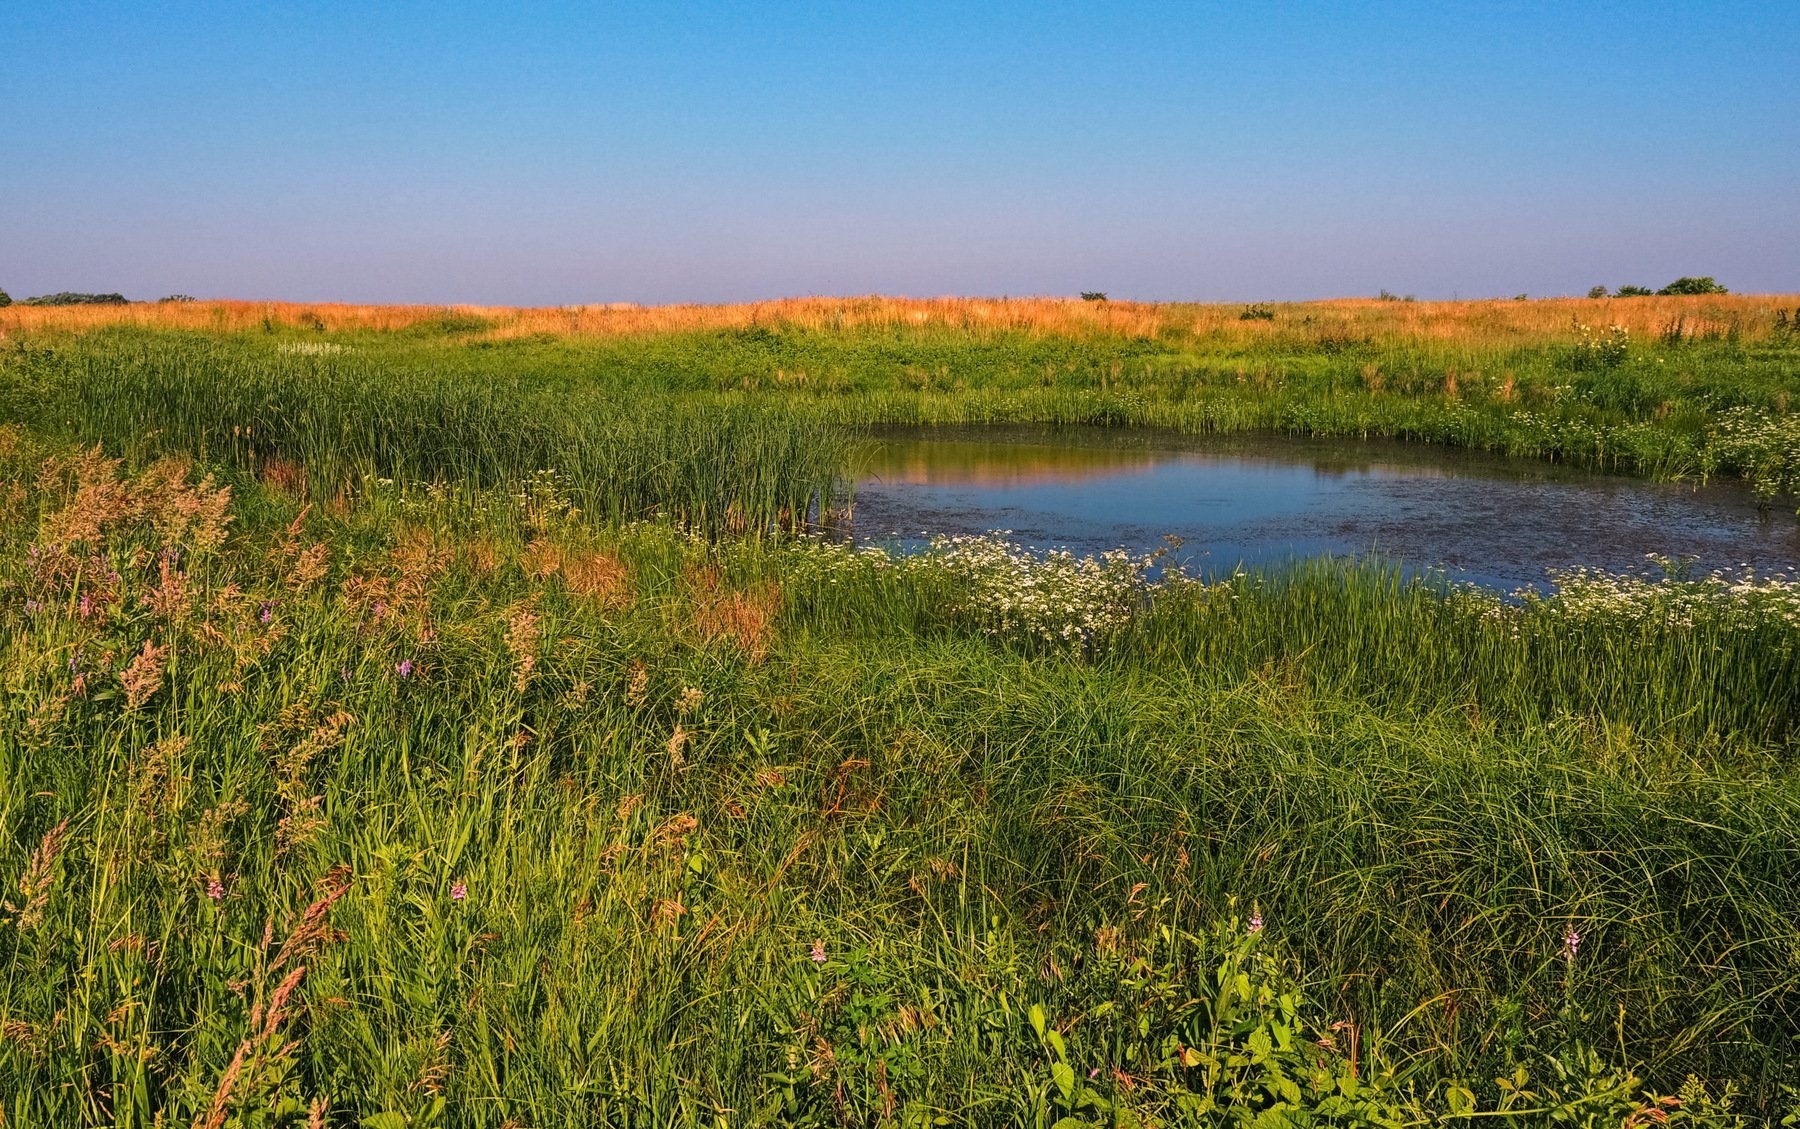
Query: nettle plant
{"type": "Point", "coordinates": [1209, 1029]}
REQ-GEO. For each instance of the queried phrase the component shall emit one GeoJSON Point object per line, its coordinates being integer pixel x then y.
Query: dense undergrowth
{"type": "Point", "coordinates": [429, 803]}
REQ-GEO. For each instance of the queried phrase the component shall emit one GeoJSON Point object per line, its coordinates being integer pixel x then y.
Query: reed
{"type": "Point", "coordinates": [328, 425]}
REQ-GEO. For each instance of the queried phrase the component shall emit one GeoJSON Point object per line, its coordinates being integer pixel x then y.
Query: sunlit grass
{"type": "Point", "coordinates": [616, 823]}
{"type": "Point", "coordinates": [1664, 387]}
{"type": "Point", "coordinates": [421, 716]}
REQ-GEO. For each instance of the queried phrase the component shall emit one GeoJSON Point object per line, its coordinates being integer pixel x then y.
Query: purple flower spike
{"type": "Point", "coordinates": [459, 891]}
{"type": "Point", "coordinates": [818, 952]}
{"type": "Point", "coordinates": [1256, 922]}
{"type": "Point", "coordinates": [1571, 943]}
{"type": "Point", "coordinates": [404, 668]}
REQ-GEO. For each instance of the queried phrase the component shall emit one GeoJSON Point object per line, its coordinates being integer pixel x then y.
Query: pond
{"type": "Point", "coordinates": [1503, 523]}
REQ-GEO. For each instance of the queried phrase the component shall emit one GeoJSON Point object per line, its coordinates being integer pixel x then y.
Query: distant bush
{"type": "Point", "coordinates": [1257, 311]}
{"type": "Point", "coordinates": [68, 298]}
{"type": "Point", "coordinates": [177, 298]}
{"type": "Point", "coordinates": [1390, 296]}
{"type": "Point", "coordinates": [1633, 292]}
{"type": "Point", "coordinates": [1093, 295]}
{"type": "Point", "coordinates": [1521, 297]}
{"type": "Point", "coordinates": [5, 298]}
{"type": "Point", "coordinates": [1704, 285]}
{"type": "Point", "coordinates": [1597, 292]}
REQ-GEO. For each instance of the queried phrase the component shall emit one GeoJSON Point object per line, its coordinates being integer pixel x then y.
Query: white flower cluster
{"type": "Point", "coordinates": [999, 587]}
{"type": "Point", "coordinates": [1596, 349]}
{"type": "Point", "coordinates": [1055, 598]}
{"type": "Point", "coordinates": [1763, 446]}
{"type": "Point", "coordinates": [311, 348]}
{"type": "Point", "coordinates": [1744, 602]}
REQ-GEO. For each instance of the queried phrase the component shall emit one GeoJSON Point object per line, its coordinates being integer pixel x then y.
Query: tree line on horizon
{"type": "Point", "coordinates": [1703, 284]}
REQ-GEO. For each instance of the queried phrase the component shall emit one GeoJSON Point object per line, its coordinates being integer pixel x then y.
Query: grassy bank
{"type": "Point", "coordinates": [448, 806]}
{"type": "Point", "coordinates": [1668, 387]}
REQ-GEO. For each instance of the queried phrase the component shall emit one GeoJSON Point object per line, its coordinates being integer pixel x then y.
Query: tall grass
{"type": "Point", "coordinates": [1524, 379]}
{"type": "Point", "coordinates": [462, 822]}
{"type": "Point", "coordinates": [326, 423]}
{"type": "Point", "coordinates": [397, 736]}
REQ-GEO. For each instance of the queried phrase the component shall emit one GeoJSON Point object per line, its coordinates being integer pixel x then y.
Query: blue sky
{"type": "Point", "coordinates": [569, 153]}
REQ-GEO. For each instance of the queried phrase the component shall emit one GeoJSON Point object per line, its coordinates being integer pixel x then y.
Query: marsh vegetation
{"type": "Point", "coordinates": [441, 718]}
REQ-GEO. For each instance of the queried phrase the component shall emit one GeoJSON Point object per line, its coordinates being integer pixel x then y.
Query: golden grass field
{"type": "Point", "coordinates": [1486, 321]}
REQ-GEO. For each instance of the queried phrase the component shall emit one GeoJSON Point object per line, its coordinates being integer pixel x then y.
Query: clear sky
{"type": "Point", "coordinates": [567, 153]}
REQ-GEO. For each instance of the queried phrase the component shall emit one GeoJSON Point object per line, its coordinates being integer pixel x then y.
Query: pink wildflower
{"type": "Point", "coordinates": [818, 952]}
{"type": "Point", "coordinates": [459, 891]}
{"type": "Point", "coordinates": [215, 889]}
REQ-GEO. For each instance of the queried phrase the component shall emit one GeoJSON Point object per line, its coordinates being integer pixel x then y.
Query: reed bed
{"type": "Point", "coordinates": [464, 808]}
{"type": "Point", "coordinates": [325, 425]}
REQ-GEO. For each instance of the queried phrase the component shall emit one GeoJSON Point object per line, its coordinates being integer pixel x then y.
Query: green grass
{"type": "Point", "coordinates": [327, 425]}
{"type": "Point", "coordinates": [432, 396]}
{"type": "Point", "coordinates": [662, 768]}
{"type": "Point", "coordinates": [499, 666]}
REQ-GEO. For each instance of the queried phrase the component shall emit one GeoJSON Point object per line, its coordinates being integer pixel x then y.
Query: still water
{"type": "Point", "coordinates": [1259, 499]}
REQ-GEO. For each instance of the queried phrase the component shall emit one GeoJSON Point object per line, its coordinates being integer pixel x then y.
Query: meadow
{"type": "Point", "coordinates": [441, 717]}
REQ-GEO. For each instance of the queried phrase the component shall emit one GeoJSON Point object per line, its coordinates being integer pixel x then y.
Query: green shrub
{"type": "Point", "coordinates": [71, 298]}
{"type": "Point", "coordinates": [1597, 292]}
{"type": "Point", "coordinates": [1702, 285]}
{"type": "Point", "coordinates": [1093, 295]}
{"type": "Point", "coordinates": [5, 298]}
{"type": "Point", "coordinates": [1257, 311]}
{"type": "Point", "coordinates": [1633, 292]}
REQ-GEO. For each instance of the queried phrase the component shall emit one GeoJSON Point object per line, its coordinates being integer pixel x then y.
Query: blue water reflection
{"type": "Point", "coordinates": [1498, 522]}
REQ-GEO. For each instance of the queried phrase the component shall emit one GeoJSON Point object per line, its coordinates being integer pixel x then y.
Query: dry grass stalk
{"type": "Point", "coordinates": [745, 619]}
{"type": "Point", "coordinates": [144, 676]}
{"type": "Point", "coordinates": [39, 876]}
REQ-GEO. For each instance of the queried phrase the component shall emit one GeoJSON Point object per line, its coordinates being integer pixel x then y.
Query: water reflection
{"type": "Point", "coordinates": [1256, 499]}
